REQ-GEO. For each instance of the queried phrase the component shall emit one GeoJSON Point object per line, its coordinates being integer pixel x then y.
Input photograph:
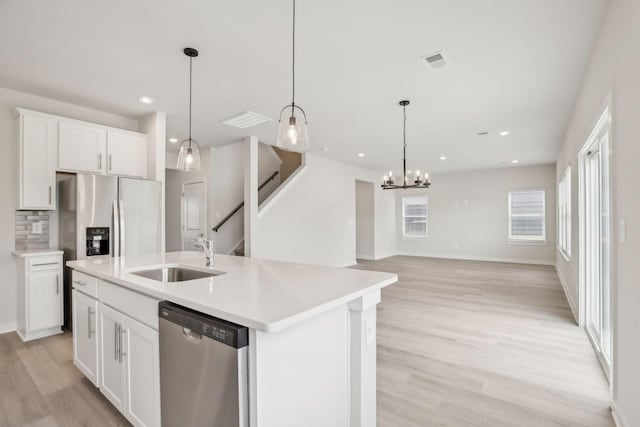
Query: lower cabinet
{"type": "Point", "coordinates": [115, 350]}
{"type": "Point", "coordinates": [85, 335]}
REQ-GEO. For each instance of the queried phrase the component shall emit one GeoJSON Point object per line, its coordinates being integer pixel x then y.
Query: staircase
{"type": "Point", "coordinates": [239, 251]}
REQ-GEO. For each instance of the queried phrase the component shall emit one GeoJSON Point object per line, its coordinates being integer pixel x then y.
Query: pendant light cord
{"type": "Point", "coordinates": [190, 90]}
{"type": "Point", "coordinates": [293, 62]}
{"type": "Point", "coordinates": [404, 145]}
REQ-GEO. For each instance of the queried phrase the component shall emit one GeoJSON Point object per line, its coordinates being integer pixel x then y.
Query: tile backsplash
{"type": "Point", "coordinates": [26, 239]}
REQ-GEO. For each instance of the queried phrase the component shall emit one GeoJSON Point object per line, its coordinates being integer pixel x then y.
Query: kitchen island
{"type": "Point", "coordinates": [311, 358]}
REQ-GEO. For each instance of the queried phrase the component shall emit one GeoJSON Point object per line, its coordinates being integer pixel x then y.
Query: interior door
{"type": "Point", "coordinates": [45, 296]}
{"type": "Point", "coordinates": [597, 227]}
{"type": "Point", "coordinates": [85, 341]}
{"type": "Point", "coordinates": [194, 223]}
{"type": "Point", "coordinates": [112, 373]}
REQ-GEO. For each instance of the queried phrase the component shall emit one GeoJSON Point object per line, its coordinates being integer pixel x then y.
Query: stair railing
{"type": "Point", "coordinates": [240, 206]}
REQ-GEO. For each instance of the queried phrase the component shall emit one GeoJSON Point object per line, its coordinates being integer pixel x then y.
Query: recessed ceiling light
{"type": "Point", "coordinates": [173, 140]}
{"type": "Point", "coordinates": [514, 161]}
{"type": "Point", "coordinates": [443, 157]}
{"type": "Point", "coordinates": [360, 154]}
{"type": "Point", "coordinates": [504, 133]}
{"type": "Point", "coordinates": [145, 100]}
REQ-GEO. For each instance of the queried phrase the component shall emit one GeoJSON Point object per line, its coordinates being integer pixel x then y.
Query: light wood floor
{"type": "Point", "coordinates": [460, 343]}
{"type": "Point", "coordinates": [466, 343]}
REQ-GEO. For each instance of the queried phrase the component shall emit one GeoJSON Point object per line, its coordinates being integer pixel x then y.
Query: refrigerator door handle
{"type": "Point", "coordinates": [116, 229]}
{"type": "Point", "coordinates": [122, 230]}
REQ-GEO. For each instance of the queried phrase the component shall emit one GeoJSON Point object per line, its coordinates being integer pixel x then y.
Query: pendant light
{"type": "Point", "coordinates": [417, 181]}
{"type": "Point", "coordinates": [292, 131]}
{"type": "Point", "coordinates": [189, 155]}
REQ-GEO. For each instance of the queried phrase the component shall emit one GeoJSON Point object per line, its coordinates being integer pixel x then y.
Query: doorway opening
{"type": "Point", "coordinates": [595, 239]}
{"type": "Point", "coordinates": [194, 214]}
{"type": "Point", "coordinates": [365, 224]}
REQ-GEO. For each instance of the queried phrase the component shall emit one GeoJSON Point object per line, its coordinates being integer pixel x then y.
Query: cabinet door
{"type": "Point", "coordinates": [112, 373]}
{"type": "Point", "coordinates": [81, 147]}
{"type": "Point", "coordinates": [142, 374]}
{"type": "Point", "coordinates": [44, 296]}
{"type": "Point", "coordinates": [85, 340]}
{"type": "Point", "coordinates": [126, 154]}
{"type": "Point", "coordinates": [37, 162]}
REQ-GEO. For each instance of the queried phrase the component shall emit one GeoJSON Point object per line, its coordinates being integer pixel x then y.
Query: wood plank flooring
{"type": "Point", "coordinates": [460, 343]}
{"type": "Point", "coordinates": [466, 343]}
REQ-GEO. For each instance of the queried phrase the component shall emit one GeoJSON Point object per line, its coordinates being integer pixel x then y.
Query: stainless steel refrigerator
{"type": "Point", "coordinates": [106, 216]}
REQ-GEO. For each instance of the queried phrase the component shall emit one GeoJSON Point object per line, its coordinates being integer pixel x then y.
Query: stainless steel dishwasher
{"type": "Point", "coordinates": [203, 369]}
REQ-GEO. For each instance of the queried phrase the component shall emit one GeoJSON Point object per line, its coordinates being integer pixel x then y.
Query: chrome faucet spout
{"type": "Point", "coordinates": [207, 247]}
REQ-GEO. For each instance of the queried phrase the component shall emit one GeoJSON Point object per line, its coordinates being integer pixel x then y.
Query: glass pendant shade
{"type": "Point", "coordinates": [293, 134]}
{"type": "Point", "coordinates": [189, 156]}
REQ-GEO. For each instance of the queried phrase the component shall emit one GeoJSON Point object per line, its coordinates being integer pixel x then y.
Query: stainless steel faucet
{"type": "Point", "coordinates": [207, 247]}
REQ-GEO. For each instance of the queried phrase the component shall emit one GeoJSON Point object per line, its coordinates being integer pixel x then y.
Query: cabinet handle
{"type": "Point", "coordinates": [115, 337]}
{"type": "Point", "coordinates": [99, 161]}
{"type": "Point", "coordinates": [79, 282]}
{"type": "Point", "coordinates": [109, 158]}
{"type": "Point", "coordinates": [89, 331]}
{"type": "Point", "coordinates": [49, 194]}
{"type": "Point", "coordinates": [44, 263]}
{"type": "Point", "coordinates": [57, 285]}
{"type": "Point", "coordinates": [122, 353]}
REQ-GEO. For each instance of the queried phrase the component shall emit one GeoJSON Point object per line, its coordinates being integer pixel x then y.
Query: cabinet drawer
{"type": "Point", "coordinates": [86, 284]}
{"type": "Point", "coordinates": [133, 304]}
{"type": "Point", "coordinates": [40, 263]}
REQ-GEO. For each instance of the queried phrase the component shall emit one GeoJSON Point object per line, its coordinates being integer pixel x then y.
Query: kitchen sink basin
{"type": "Point", "coordinates": [176, 274]}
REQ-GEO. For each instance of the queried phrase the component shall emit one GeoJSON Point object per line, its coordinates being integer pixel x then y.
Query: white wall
{"type": "Point", "coordinates": [365, 220]}
{"type": "Point", "coordinates": [9, 100]}
{"type": "Point", "coordinates": [468, 215]}
{"type": "Point", "coordinates": [615, 68]}
{"type": "Point", "coordinates": [312, 219]}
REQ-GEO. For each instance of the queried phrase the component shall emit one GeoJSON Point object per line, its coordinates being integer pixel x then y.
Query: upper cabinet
{"type": "Point", "coordinates": [126, 153]}
{"type": "Point", "coordinates": [38, 137]}
{"type": "Point", "coordinates": [81, 148]}
{"type": "Point", "coordinates": [48, 143]}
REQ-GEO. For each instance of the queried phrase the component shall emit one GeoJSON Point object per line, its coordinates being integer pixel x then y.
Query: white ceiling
{"type": "Point", "coordinates": [514, 65]}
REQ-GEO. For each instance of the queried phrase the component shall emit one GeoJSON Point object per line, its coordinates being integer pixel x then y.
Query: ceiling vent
{"type": "Point", "coordinates": [246, 120]}
{"type": "Point", "coordinates": [483, 133]}
{"type": "Point", "coordinates": [436, 60]}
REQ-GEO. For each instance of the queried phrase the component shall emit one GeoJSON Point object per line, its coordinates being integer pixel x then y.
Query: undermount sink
{"type": "Point", "coordinates": [175, 274]}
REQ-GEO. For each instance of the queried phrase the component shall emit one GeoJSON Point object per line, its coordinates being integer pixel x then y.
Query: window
{"type": "Point", "coordinates": [564, 213]}
{"type": "Point", "coordinates": [414, 217]}
{"type": "Point", "coordinates": [526, 216]}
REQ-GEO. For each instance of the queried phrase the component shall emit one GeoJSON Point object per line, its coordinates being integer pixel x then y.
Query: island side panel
{"type": "Point", "coordinates": [300, 376]}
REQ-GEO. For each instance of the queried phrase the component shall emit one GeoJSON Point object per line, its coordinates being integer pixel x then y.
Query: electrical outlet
{"type": "Point", "coordinates": [36, 227]}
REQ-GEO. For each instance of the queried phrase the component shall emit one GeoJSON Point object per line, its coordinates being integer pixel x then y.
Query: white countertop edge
{"type": "Point", "coordinates": [36, 252]}
{"type": "Point", "coordinates": [250, 323]}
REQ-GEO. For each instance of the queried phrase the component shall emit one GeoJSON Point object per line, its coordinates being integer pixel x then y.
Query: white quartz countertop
{"type": "Point", "coordinates": [262, 294]}
{"type": "Point", "coordinates": [37, 252]}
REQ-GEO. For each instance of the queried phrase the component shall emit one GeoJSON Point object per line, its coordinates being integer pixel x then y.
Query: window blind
{"type": "Point", "coordinates": [414, 216]}
{"type": "Point", "coordinates": [526, 215]}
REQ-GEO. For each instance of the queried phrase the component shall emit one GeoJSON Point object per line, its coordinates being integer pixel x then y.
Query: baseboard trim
{"type": "Point", "coordinates": [7, 327]}
{"type": "Point", "coordinates": [479, 258]}
{"type": "Point", "coordinates": [367, 257]}
{"type": "Point", "coordinates": [567, 295]}
{"type": "Point", "coordinates": [618, 418]}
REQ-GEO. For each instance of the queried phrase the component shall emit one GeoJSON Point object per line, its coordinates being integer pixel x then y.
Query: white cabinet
{"type": "Point", "coordinates": [128, 356]}
{"type": "Point", "coordinates": [40, 290]}
{"type": "Point", "coordinates": [81, 147]}
{"type": "Point", "coordinates": [141, 367]}
{"type": "Point", "coordinates": [126, 153]}
{"type": "Point", "coordinates": [37, 161]}
{"type": "Point", "coordinates": [112, 374]}
{"type": "Point", "coordinates": [85, 335]}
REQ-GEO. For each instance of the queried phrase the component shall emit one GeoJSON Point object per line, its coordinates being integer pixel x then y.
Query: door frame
{"type": "Point", "coordinates": [605, 118]}
{"type": "Point", "coordinates": [206, 201]}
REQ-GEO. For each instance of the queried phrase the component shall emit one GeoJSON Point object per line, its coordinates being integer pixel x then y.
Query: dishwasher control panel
{"type": "Point", "coordinates": [228, 333]}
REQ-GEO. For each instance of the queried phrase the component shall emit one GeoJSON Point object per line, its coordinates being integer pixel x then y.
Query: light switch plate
{"type": "Point", "coordinates": [36, 227]}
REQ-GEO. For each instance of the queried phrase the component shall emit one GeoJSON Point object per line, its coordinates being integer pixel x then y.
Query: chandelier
{"type": "Point", "coordinates": [415, 181]}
